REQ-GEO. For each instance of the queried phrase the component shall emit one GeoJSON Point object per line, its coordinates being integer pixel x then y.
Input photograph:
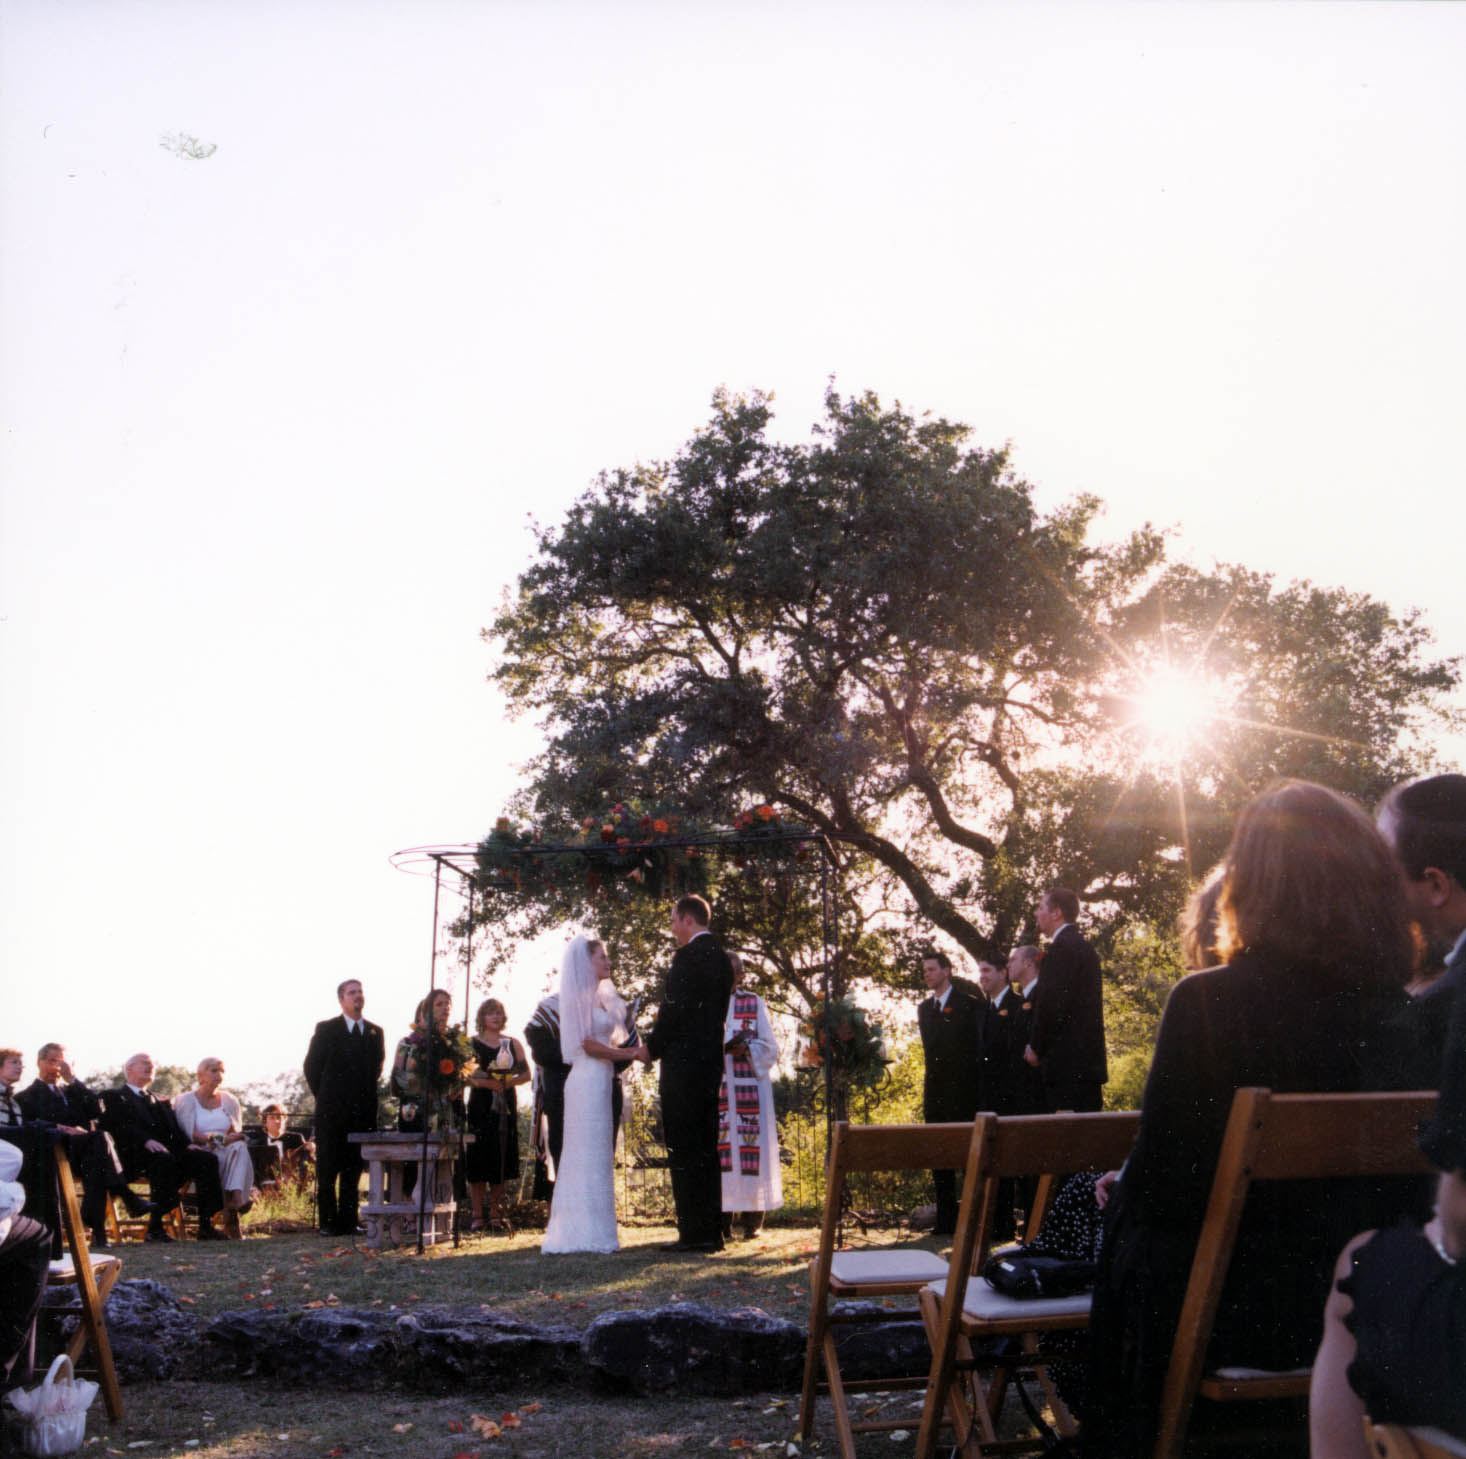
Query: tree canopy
{"type": "Point", "coordinates": [878, 632]}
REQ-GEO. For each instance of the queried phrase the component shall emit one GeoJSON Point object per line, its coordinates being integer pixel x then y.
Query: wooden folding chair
{"type": "Point", "coordinates": [1394, 1441]}
{"type": "Point", "coordinates": [958, 1308]}
{"type": "Point", "coordinates": [877, 1272]}
{"type": "Point", "coordinates": [93, 1277]}
{"type": "Point", "coordinates": [1276, 1137]}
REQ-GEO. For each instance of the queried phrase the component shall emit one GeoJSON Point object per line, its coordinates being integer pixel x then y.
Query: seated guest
{"type": "Point", "coordinates": [25, 1257]}
{"type": "Point", "coordinates": [58, 1102]}
{"type": "Point", "coordinates": [37, 1170]}
{"type": "Point", "coordinates": [1394, 1339]}
{"type": "Point", "coordinates": [1313, 926]}
{"type": "Point", "coordinates": [210, 1118]}
{"type": "Point", "coordinates": [151, 1142]}
{"type": "Point", "coordinates": [290, 1155]}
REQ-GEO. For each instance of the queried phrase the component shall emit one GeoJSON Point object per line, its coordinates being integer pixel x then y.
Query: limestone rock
{"type": "Point", "coordinates": [689, 1349]}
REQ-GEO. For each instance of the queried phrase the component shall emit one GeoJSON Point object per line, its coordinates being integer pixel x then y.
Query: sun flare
{"type": "Point", "coordinates": [1173, 708]}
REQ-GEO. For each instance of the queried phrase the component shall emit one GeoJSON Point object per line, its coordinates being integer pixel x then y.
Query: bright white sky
{"type": "Point", "coordinates": [272, 421]}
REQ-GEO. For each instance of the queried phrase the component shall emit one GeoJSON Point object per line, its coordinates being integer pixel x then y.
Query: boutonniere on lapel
{"type": "Point", "coordinates": [1002, 1013]}
{"type": "Point", "coordinates": [1028, 1002]}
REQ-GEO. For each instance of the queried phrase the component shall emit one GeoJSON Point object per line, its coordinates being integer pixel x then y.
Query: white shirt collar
{"type": "Point", "coordinates": [1029, 987]}
{"type": "Point", "coordinates": [142, 1093]}
{"type": "Point", "coordinates": [997, 1000]}
{"type": "Point", "coordinates": [352, 1023]}
{"type": "Point", "coordinates": [943, 996]}
{"type": "Point", "coordinates": [1456, 950]}
{"type": "Point", "coordinates": [701, 932]}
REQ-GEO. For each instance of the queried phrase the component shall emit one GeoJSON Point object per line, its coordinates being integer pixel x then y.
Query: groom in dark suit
{"type": "Point", "coordinates": [688, 1038]}
{"type": "Point", "coordinates": [342, 1067]}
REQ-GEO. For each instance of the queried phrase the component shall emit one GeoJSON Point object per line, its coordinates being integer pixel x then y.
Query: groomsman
{"type": "Point", "coordinates": [951, 1088]}
{"type": "Point", "coordinates": [1024, 965]}
{"type": "Point", "coordinates": [1067, 1040]}
{"type": "Point", "coordinates": [342, 1067]}
{"type": "Point", "coordinates": [1002, 1034]}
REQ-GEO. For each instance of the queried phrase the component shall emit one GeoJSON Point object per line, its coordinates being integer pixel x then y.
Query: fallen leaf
{"type": "Point", "coordinates": [455, 1425]}
{"type": "Point", "coordinates": [899, 1436]}
{"type": "Point", "coordinates": [530, 1407]}
{"type": "Point", "coordinates": [483, 1425]}
{"type": "Point", "coordinates": [401, 1428]}
{"type": "Point", "coordinates": [509, 1421]}
{"type": "Point", "coordinates": [335, 1453]}
{"type": "Point", "coordinates": [869, 1409]}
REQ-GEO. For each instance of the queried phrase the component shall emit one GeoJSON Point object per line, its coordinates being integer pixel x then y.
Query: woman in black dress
{"type": "Point", "coordinates": [493, 1159]}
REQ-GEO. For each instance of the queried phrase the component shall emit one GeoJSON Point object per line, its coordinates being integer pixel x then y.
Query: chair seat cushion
{"type": "Point", "coordinates": [984, 1304]}
{"type": "Point", "coordinates": [62, 1269]}
{"type": "Point", "coordinates": [1236, 1374]}
{"type": "Point", "coordinates": [912, 1264]}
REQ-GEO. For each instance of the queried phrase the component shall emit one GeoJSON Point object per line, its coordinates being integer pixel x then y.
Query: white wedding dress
{"type": "Point", "coordinates": [583, 1213]}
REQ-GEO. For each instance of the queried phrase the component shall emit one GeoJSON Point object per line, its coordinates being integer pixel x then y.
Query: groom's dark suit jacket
{"type": "Point", "coordinates": [688, 1034]}
{"type": "Point", "coordinates": [134, 1119]}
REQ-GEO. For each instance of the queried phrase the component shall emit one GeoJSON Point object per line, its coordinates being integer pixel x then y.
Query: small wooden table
{"type": "Point", "coordinates": [391, 1215]}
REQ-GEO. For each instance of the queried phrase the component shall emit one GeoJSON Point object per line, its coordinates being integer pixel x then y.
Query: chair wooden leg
{"type": "Point", "coordinates": [953, 1402]}
{"type": "Point", "coordinates": [811, 1378]}
{"type": "Point", "coordinates": [838, 1402]}
{"type": "Point", "coordinates": [1064, 1421]}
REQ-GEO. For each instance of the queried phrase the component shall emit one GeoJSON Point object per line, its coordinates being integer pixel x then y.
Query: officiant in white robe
{"type": "Point", "coordinates": [748, 1134]}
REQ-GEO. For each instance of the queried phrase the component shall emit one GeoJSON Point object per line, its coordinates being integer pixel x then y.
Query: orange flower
{"type": "Point", "coordinates": [765, 813]}
{"type": "Point", "coordinates": [660, 827]}
{"type": "Point", "coordinates": [447, 1066]}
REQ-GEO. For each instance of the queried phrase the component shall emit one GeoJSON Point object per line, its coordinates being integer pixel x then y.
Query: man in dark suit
{"type": "Point", "coordinates": [1066, 1041]}
{"type": "Point", "coordinates": [1002, 1032]}
{"type": "Point", "coordinates": [951, 1089]}
{"type": "Point", "coordinates": [63, 1104]}
{"type": "Point", "coordinates": [151, 1142]}
{"type": "Point", "coordinates": [688, 1038]}
{"type": "Point", "coordinates": [1425, 822]}
{"type": "Point", "coordinates": [342, 1067]}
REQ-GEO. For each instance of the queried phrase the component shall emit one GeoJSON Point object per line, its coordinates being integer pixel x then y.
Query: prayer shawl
{"type": "Point", "coordinates": [748, 1137]}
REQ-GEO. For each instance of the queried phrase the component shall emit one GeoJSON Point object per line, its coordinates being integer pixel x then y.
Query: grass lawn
{"type": "Point", "coordinates": [289, 1270]}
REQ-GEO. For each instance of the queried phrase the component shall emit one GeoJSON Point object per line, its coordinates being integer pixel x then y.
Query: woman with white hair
{"type": "Point", "coordinates": [583, 1213]}
{"type": "Point", "coordinates": [210, 1117]}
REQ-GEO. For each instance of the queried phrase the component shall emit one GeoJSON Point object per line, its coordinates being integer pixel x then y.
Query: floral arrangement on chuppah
{"type": "Point", "coordinates": [648, 847]}
{"type": "Point", "coordinates": [843, 1035]}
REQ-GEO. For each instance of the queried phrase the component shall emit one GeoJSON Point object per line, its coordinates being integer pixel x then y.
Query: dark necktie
{"type": "Point", "coordinates": [356, 1030]}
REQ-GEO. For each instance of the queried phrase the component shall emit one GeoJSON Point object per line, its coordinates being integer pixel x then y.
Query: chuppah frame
{"type": "Point", "coordinates": [469, 881]}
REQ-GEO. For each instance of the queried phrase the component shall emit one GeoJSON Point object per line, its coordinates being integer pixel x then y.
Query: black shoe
{"type": "Point", "coordinates": [159, 1235]}
{"type": "Point", "coordinates": [207, 1233]}
{"type": "Point", "coordinates": [99, 1240]}
{"type": "Point", "coordinates": [135, 1204]}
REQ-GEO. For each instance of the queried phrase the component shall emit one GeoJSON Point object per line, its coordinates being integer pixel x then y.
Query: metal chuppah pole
{"type": "Point", "coordinates": [427, 1063]}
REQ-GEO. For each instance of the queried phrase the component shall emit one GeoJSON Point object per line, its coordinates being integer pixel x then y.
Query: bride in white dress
{"type": "Point", "coordinates": [583, 1213]}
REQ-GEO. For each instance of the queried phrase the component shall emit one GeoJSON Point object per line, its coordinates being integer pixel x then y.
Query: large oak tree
{"type": "Point", "coordinates": [879, 632]}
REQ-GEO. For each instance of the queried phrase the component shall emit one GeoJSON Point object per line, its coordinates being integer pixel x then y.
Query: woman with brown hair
{"type": "Point", "coordinates": [1316, 949]}
{"type": "Point", "coordinates": [493, 1159]}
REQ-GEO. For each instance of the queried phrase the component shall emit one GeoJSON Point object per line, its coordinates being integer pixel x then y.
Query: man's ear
{"type": "Point", "coordinates": [1440, 886]}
